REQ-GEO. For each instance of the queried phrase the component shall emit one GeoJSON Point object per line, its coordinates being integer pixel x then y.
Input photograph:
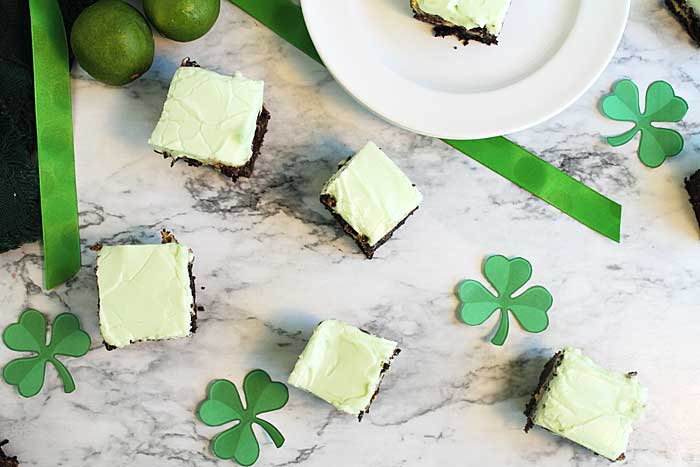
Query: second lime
{"type": "Point", "coordinates": [182, 20]}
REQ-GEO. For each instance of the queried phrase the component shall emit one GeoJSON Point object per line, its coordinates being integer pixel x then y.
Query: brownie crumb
{"type": "Point", "coordinates": [186, 62]}
{"type": "Point", "coordinates": [5, 460]}
{"type": "Point", "coordinates": [692, 186]}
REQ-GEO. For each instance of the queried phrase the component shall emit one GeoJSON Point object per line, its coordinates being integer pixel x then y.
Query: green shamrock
{"type": "Point", "coordinates": [223, 405]}
{"type": "Point", "coordinates": [507, 277]}
{"type": "Point", "coordinates": [662, 105]}
{"type": "Point", "coordinates": [29, 335]}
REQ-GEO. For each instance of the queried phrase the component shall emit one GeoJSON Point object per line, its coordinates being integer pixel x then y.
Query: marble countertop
{"type": "Point", "coordinates": [273, 264]}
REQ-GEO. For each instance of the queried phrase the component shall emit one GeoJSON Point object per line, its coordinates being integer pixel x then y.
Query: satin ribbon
{"type": "Point", "coordinates": [54, 132]}
{"type": "Point", "coordinates": [498, 154]}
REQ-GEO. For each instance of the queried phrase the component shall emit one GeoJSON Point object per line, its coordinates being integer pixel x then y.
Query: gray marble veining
{"type": "Point", "coordinates": [272, 264]}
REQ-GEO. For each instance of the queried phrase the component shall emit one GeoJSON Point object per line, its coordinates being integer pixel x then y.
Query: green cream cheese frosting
{"type": "Point", "coordinates": [591, 406]}
{"type": "Point", "coordinates": [372, 194]}
{"type": "Point", "coordinates": [342, 365]}
{"type": "Point", "coordinates": [209, 117]}
{"type": "Point", "coordinates": [471, 14]}
{"type": "Point", "coordinates": [144, 292]}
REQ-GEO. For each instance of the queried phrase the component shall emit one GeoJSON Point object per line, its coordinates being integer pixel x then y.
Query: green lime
{"type": "Point", "coordinates": [182, 20]}
{"type": "Point", "coordinates": [113, 42]}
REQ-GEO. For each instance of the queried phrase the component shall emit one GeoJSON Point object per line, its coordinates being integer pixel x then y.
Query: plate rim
{"type": "Point", "coordinates": [306, 5]}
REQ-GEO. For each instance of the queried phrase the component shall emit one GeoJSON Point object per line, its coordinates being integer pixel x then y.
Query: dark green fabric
{"type": "Point", "coordinates": [20, 216]}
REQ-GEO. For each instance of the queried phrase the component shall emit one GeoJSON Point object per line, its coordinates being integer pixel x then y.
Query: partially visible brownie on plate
{"type": "Point", "coordinates": [5, 460]}
{"type": "Point", "coordinates": [587, 404]}
{"type": "Point", "coordinates": [688, 14]}
{"type": "Point", "coordinates": [146, 292]}
{"type": "Point", "coordinates": [370, 197]}
{"type": "Point", "coordinates": [478, 20]}
{"type": "Point", "coordinates": [212, 119]}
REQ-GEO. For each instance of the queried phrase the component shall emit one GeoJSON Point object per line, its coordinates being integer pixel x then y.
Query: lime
{"type": "Point", "coordinates": [113, 42]}
{"type": "Point", "coordinates": [182, 20]}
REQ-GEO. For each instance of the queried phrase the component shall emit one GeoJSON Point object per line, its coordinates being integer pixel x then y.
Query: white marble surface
{"type": "Point", "coordinates": [274, 264]}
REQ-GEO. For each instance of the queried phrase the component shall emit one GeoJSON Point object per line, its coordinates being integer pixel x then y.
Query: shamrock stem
{"type": "Point", "coordinates": [502, 332]}
{"type": "Point", "coordinates": [68, 383]}
{"type": "Point", "coordinates": [274, 433]}
{"type": "Point", "coordinates": [619, 140]}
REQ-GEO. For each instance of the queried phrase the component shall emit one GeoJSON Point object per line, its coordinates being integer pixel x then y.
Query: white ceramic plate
{"type": "Point", "coordinates": [549, 53]}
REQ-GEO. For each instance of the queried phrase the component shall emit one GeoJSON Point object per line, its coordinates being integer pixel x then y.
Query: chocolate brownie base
{"type": "Point", "coordinates": [5, 460]}
{"type": "Point", "coordinates": [548, 374]}
{"type": "Point", "coordinates": [362, 241]}
{"type": "Point", "coordinates": [166, 237]}
{"type": "Point", "coordinates": [385, 368]}
{"type": "Point", "coordinates": [692, 185]}
{"type": "Point", "coordinates": [230, 171]}
{"type": "Point", "coordinates": [687, 17]}
{"type": "Point", "coordinates": [442, 28]}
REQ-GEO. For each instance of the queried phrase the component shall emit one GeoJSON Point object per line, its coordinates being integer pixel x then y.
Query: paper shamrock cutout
{"type": "Point", "coordinates": [29, 335]}
{"type": "Point", "coordinates": [662, 105]}
{"type": "Point", "coordinates": [507, 276]}
{"type": "Point", "coordinates": [223, 405]}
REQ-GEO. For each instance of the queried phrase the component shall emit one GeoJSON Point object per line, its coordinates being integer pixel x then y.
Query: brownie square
{"type": "Point", "coordinates": [146, 292]}
{"type": "Point", "coordinates": [370, 197]}
{"type": "Point", "coordinates": [587, 404]}
{"type": "Point", "coordinates": [344, 366]}
{"type": "Point", "coordinates": [211, 119]}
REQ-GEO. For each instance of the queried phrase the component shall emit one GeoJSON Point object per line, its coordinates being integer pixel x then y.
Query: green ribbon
{"type": "Point", "coordinates": [54, 133]}
{"type": "Point", "coordinates": [498, 154]}
{"type": "Point", "coordinates": [546, 182]}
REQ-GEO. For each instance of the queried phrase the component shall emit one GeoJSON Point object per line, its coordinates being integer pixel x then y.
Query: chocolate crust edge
{"type": "Point", "coordinates": [166, 237]}
{"type": "Point", "coordinates": [362, 241]}
{"type": "Point", "coordinates": [546, 377]}
{"type": "Point", "coordinates": [234, 173]}
{"type": "Point", "coordinates": [687, 17]}
{"type": "Point", "coordinates": [385, 368]}
{"type": "Point", "coordinates": [692, 186]}
{"type": "Point", "coordinates": [5, 460]}
{"type": "Point", "coordinates": [442, 28]}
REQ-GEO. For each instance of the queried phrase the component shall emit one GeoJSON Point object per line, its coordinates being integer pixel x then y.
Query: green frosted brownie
{"type": "Point", "coordinates": [468, 20]}
{"type": "Point", "coordinates": [587, 404]}
{"type": "Point", "coordinates": [344, 366]}
{"type": "Point", "coordinates": [212, 119]}
{"type": "Point", "coordinates": [370, 197]}
{"type": "Point", "coordinates": [146, 292]}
